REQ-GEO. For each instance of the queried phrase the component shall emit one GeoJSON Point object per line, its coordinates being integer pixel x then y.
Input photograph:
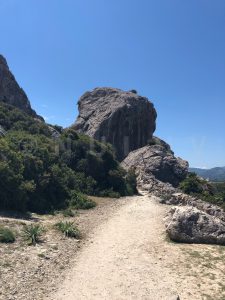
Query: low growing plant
{"type": "Point", "coordinates": [68, 213]}
{"type": "Point", "coordinates": [6, 235]}
{"type": "Point", "coordinates": [32, 233]}
{"type": "Point", "coordinates": [80, 201]}
{"type": "Point", "coordinates": [68, 229]}
{"type": "Point", "coordinates": [109, 193]}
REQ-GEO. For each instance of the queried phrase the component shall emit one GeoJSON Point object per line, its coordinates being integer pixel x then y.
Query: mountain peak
{"type": "Point", "coordinates": [10, 91]}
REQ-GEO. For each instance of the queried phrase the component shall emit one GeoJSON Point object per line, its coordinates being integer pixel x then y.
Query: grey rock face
{"type": "Point", "coordinates": [182, 199]}
{"type": "Point", "coordinates": [190, 225]}
{"type": "Point", "coordinates": [54, 133]}
{"type": "Point", "coordinates": [123, 119]}
{"type": "Point", "coordinates": [10, 91]}
{"type": "Point", "coordinates": [157, 167]}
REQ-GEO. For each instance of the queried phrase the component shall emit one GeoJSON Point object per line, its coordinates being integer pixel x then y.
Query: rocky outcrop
{"type": "Point", "coordinates": [158, 170]}
{"type": "Point", "coordinates": [182, 199]}
{"type": "Point", "coordinates": [55, 134]}
{"type": "Point", "coordinates": [123, 119]}
{"type": "Point", "coordinates": [190, 225]}
{"type": "Point", "coordinates": [11, 93]}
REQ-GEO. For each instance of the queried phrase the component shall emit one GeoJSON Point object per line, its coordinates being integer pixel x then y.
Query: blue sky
{"type": "Point", "coordinates": [171, 51]}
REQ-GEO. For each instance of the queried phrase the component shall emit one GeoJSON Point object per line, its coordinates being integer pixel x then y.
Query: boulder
{"type": "Point", "coordinates": [190, 225]}
{"type": "Point", "coordinates": [123, 119]}
{"type": "Point", "coordinates": [11, 93]}
{"type": "Point", "coordinates": [156, 167]}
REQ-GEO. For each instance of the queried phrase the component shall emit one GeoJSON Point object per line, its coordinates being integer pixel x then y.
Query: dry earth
{"type": "Point", "coordinates": [124, 255]}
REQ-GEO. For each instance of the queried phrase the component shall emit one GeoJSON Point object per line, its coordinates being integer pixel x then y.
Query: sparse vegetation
{"type": "Point", "coordinates": [68, 212]}
{"type": "Point", "coordinates": [80, 201]}
{"type": "Point", "coordinates": [212, 192]}
{"type": "Point", "coordinates": [68, 229]}
{"type": "Point", "coordinates": [109, 193]}
{"type": "Point", "coordinates": [32, 233]}
{"type": "Point", "coordinates": [6, 235]}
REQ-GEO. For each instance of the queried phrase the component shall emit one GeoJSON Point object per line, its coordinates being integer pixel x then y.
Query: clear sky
{"type": "Point", "coordinates": [171, 51]}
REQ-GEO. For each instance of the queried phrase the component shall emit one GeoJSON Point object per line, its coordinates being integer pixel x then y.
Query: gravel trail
{"type": "Point", "coordinates": [121, 260]}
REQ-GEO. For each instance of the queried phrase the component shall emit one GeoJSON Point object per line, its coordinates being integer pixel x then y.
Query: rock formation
{"type": "Point", "coordinates": [190, 225]}
{"type": "Point", "coordinates": [158, 170]}
{"type": "Point", "coordinates": [123, 119]}
{"type": "Point", "coordinates": [10, 91]}
{"type": "Point", "coordinates": [182, 199]}
{"type": "Point", "coordinates": [127, 121]}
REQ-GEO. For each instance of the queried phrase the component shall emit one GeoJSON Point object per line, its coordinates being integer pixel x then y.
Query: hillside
{"type": "Point", "coordinates": [44, 168]}
{"type": "Point", "coordinates": [214, 174]}
{"type": "Point", "coordinates": [50, 175]}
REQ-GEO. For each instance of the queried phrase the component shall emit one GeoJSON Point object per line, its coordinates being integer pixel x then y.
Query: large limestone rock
{"type": "Point", "coordinates": [10, 91]}
{"type": "Point", "coordinates": [158, 170]}
{"type": "Point", "coordinates": [123, 119]}
{"type": "Point", "coordinates": [190, 225]}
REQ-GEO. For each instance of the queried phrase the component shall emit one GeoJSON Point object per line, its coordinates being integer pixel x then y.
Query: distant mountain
{"type": "Point", "coordinates": [214, 174]}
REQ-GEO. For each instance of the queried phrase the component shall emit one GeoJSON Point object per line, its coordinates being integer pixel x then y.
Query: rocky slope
{"type": "Point", "coordinates": [156, 166]}
{"type": "Point", "coordinates": [123, 119]}
{"type": "Point", "coordinates": [11, 93]}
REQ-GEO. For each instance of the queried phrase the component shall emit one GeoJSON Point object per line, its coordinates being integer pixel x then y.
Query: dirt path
{"type": "Point", "coordinates": [124, 254]}
{"type": "Point", "coordinates": [129, 258]}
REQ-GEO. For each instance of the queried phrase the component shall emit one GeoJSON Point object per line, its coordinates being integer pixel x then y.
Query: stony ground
{"type": "Point", "coordinates": [31, 272]}
{"type": "Point", "coordinates": [124, 254]}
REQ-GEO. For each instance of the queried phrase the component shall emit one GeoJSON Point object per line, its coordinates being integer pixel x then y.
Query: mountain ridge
{"type": "Point", "coordinates": [11, 93]}
{"type": "Point", "coordinates": [212, 174]}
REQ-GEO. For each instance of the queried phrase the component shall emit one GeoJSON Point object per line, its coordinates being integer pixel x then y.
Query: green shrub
{"type": "Point", "coordinates": [6, 235]}
{"type": "Point", "coordinates": [208, 191]}
{"type": "Point", "coordinates": [80, 201]}
{"type": "Point", "coordinates": [32, 233]}
{"type": "Point", "coordinates": [68, 229]}
{"type": "Point", "coordinates": [131, 182]}
{"type": "Point", "coordinates": [109, 193]}
{"type": "Point", "coordinates": [38, 172]}
{"type": "Point", "coordinates": [192, 184]}
{"type": "Point", "coordinates": [68, 213]}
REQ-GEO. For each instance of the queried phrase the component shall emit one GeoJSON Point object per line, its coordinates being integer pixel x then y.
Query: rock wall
{"type": "Point", "coordinates": [123, 119]}
{"type": "Point", "coordinates": [11, 93]}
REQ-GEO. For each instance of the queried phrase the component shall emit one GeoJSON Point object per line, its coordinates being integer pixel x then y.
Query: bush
{"type": "Point", "coordinates": [80, 201]}
{"type": "Point", "coordinates": [131, 182]}
{"type": "Point", "coordinates": [6, 235]}
{"type": "Point", "coordinates": [133, 91]}
{"type": "Point", "coordinates": [32, 233]}
{"type": "Point", "coordinates": [38, 172]}
{"type": "Point", "coordinates": [109, 193]}
{"type": "Point", "coordinates": [68, 213]}
{"type": "Point", "coordinates": [68, 229]}
{"type": "Point", "coordinates": [208, 191]}
{"type": "Point", "coordinates": [12, 118]}
{"type": "Point", "coordinates": [192, 184]}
